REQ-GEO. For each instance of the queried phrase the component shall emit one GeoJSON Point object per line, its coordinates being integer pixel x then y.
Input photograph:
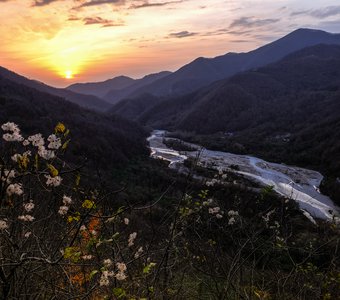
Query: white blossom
{"type": "Point", "coordinates": [26, 218]}
{"type": "Point", "coordinates": [8, 176]}
{"type": "Point", "coordinates": [121, 267]}
{"type": "Point", "coordinates": [132, 238]}
{"type": "Point", "coordinates": [45, 154]}
{"type": "Point", "coordinates": [87, 257]}
{"type": "Point", "coordinates": [29, 206]}
{"type": "Point", "coordinates": [10, 126]}
{"type": "Point", "coordinates": [126, 221]}
{"type": "Point", "coordinates": [120, 276]}
{"type": "Point", "coordinates": [27, 234]}
{"type": "Point", "coordinates": [14, 189]}
{"type": "Point", "coordinates": [63, 210]}
{"type": "Point", "coordinates": [219, 216]}
{"type": "Point", "coordinates": [15, 157]}
{"type": "Point", "coordinates": [138, 253]}
{"type": "Point", "coordinates": [104, 279]}
{"type": "Point", "coordinates": [107, 263]}
{"type": "Point", "coordinates": [3, 225]}
{"type": "Point", "coordinates": [55, 142]}
{"type": "Point", "coordinates": [13, 137]}
{"type": "Point", "coordinates": [26, 142]}
{"type": "Point", "coordinates": [37, 140]}
{"type": "Point", "coordinates": [27, 153]}
{"type": "Point", "coordinates": [67, 200]}
{"type": "Point", "coordinates": [232, 213]}
{"type": "Point", "coordinates": [267, 216]}
{"type": "Point", "coordinates": [121, 271]}
{"type": "Point", "coordinates": [214, 210]}
{"type": "Point", "coordinates": [231, 221]}
{"type": "Point", "coordinates": [53, 181]}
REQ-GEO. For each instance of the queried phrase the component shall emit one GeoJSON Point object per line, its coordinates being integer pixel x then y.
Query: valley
{"type": "Point", "coordinates": [294, 183]}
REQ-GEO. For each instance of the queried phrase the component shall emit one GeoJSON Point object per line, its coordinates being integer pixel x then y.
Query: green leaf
{"type": "Point", "coordinates": [119, 292]}
{"type": "Point", "coordinates": [93, 273]}
{"type": "Point", "coordinates": [147, 268]}
{"type": "Point", "coordinates": [64, 146]}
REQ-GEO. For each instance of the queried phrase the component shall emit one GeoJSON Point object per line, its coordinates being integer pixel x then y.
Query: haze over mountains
{"type": "Point", "coordinates": [82, 100]}
{"type": "Point", "coordinates": [294, 97]}
{"type": "Point", "coordinates": [203, 71]}
{"type": "Point", "coordinates": [199, 73]}
{"type": "Point", "coordinates": [115, 89]}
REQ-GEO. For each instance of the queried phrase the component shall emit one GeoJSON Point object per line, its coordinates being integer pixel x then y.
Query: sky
{"type": "Point", "coordinates": [60, 42]}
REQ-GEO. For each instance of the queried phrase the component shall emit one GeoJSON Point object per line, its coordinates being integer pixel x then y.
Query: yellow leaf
{"type": "Point", "coordinates": [88, 204]}
{"type": "Point", "coordinates": [60, 128]}
{"type": "Point", "coordinates": [53, 171]}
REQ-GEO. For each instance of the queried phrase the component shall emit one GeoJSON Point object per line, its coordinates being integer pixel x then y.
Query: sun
{"type": "Point", "coordinates": [68, 74]}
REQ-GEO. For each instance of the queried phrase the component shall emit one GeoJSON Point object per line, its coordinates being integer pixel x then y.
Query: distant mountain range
{"type": "Point", "coordinates": [280, 102]}
{"type": "Point", "coordinates": [80, 99]}
{"type": "Point", "coordinates": [115, 89]}
{"type": "Point", "coordinates": [203, 71]}
{"type": "Point", "coordinates": [191, 77]}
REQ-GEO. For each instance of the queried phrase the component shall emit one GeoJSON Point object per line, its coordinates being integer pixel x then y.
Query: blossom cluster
{"type": "Point", "coordinates": [37, 142]}
{"type": "Point", "coordinates": [66, 205]}
{"type": "Point", "coordinates": [132, 238]}
{"type": "Point", "coordinates": [215, 211]}
{"type": "Point", "coordinates": [12, 132]}
{"type": "Point", "coordinates": [28, 207]}
{"type": "Point", "coordinates": [106, 274]}
{"type": "Point", "coordinates": [233, 216]}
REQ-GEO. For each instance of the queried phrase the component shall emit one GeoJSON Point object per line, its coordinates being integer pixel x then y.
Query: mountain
{"type": "Point", "coordinates": [100, 89]}
{"type": "Point", "coordinates": [87, 101]}
{"type": "Point", "coordinates": [115, 95]}
{"type": "Point", "coordinates": [130, 108]}
{"type": "Point", "coordinates": [115, 89]}
{"type": "Point", "coordinates": [203, 71]}
{"type": "Point", "coordinates": [104, 142]}
{"type": "Point", "coordinates": [288, 111]}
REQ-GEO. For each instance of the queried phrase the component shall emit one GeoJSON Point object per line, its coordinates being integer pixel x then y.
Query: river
{"type": "Point", "coordinates": [299, 184]}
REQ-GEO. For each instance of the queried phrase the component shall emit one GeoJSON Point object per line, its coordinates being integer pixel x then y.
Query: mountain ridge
{"type": "Point", "coordinates": [87, 101]}
{"type": "Point", "coordinates": [115, 89]}
{"type": "Point", "coordinates": [203, 71]}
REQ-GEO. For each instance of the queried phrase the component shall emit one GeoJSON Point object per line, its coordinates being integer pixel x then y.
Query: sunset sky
{"type": "Point", "coordinates": [61, 42]}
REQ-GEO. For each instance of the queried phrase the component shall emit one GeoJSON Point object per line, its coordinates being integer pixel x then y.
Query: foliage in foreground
{"type": "Point", "coordinates": [60, 240]}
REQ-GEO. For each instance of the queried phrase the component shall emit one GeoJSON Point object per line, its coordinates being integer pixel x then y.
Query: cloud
{"type": "Point", "coordinates": [246, 22]}
{"type": "Point", "coordinates": [321, 13]}
{"type": "Point", "coordinates": [300, 12]}
{"type": "Point", "coordinates": [83, 3]}
{"type": "Point", "coordinates": [73, 18]}
{"type": "Point", "coordinates": [182, 34]}
{"type": "Point", "coordinates": [325, 12]}
{"type": "Point", "coordinates": [148, 4]}
{"type": "Point", "coordinates": [101, 21]}
{"type": "Point", "coordinates": [100, 2]}
{"type": "Point", "coordinates": [43, 2]}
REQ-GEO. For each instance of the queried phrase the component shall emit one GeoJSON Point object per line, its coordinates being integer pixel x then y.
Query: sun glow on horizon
{"type": "Point", "coordinates": [56, 41]}
{"type": "Point", "coordinates": [68, 74]}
